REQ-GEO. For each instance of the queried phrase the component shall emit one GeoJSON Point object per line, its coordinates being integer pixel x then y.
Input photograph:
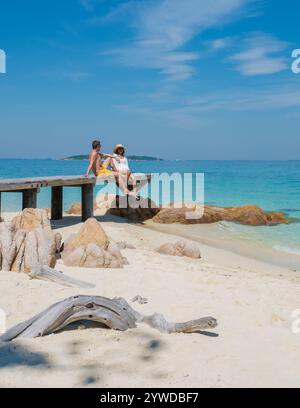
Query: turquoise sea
{"type": "Point", "coordinates": [273, 185]}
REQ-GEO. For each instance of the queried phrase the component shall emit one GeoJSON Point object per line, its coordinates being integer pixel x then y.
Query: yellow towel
{"type": "Point", "coordinates": [103, 171]}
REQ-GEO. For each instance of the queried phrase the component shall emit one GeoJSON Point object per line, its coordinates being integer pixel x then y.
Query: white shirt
{"type": "Point", "coordinates": [121, 166]}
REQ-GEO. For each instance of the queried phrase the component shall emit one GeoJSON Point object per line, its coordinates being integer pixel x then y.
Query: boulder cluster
{"type": "Point", "coordinates": [27, 241]}
{"type": "Point", "coordinates": [91, 248]}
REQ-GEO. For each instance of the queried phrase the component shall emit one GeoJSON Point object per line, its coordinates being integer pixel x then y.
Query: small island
{"type": "Point", "coordinates": [129, 157]}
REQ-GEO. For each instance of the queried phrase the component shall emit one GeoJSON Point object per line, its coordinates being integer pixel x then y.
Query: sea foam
{"type": "Point", "coordinates": [289, 250]}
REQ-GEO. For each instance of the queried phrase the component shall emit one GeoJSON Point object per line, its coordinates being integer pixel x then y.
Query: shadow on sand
{"type": "Point", "coordinates": [12, 354]}
{"type": "Point", "coordinates": [69, 221]}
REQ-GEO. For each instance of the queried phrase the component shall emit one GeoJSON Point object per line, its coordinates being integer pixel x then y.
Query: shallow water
{"type": "Point", "coordinates": [273, 185]}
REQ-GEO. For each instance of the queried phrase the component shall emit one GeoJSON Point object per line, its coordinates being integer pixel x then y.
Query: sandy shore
{"type": "Point", "coordinates": [253, 346]}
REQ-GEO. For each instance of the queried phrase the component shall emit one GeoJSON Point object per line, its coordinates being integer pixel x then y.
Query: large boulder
{"type": "Point", "coordinates": [136, 210]}
{"type": "Point", "coordinates": [252, 215]}
{"type": "Point", "coordinates": [181, 248]}
{"type": "Point", "coordinates": [28, 241]}
{"type": "Point", "coordinates": [91, 248]}
{"type": "Point", "coordinates": [247, 215]}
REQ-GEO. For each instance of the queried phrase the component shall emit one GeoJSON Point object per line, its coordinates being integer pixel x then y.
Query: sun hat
{"type": "Point", "coordinates": [119, 146]}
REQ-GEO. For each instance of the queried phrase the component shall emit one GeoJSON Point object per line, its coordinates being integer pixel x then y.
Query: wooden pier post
{"type": "Point", "coordinates": [30, 198]}
{"type": "Point", "coordinates": [87, 201]}
{"type": "Point", "coordinates": [57, 203]}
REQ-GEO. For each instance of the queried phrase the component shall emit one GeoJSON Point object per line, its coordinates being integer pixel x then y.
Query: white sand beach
{"type": "Point", "coordinates": [253, 345]}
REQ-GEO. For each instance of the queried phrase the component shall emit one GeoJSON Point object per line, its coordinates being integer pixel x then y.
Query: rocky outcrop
{"type": "Point", "coordinates": [91, 248]}
{"type": "Point", "coordinates": [247, 215]}
{"type": "Point", "coordinates": [28, 241]}
{"type": "Point", "coordinates": [181, 248]}
{"type": "Point", "coordinates": [136, 210]}
{"type": "Point", "coordinates": [103, 201]}
{"type": "Point", "coordinates": [76, 209]}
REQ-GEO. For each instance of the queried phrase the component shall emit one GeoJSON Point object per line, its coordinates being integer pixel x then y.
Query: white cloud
{"type": "Point", "coordinates": [245, 100]}
{"type": "Point", "coordinates": [221, 43]}
{"type": "Point", "coordinates": [163, 27]}
{"type": "Point", "coordinates": [193, 111]}
{"type": "Point", "coordinates": [261, 55]}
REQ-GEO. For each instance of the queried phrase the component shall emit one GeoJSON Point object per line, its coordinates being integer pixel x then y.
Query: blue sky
{"type": "Point", "coordinates": [199, 79]}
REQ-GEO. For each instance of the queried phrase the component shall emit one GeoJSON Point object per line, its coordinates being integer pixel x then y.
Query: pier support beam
{"type": "Point", "coordinates": [57, 203]}
{"type": "Point", "coordinates": [30, 198]}
{"type": "Point", "coordinates": [87, 201]}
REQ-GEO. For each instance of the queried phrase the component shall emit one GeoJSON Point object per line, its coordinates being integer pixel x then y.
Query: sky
{"type": "Point", "coordinates": [176, 79]}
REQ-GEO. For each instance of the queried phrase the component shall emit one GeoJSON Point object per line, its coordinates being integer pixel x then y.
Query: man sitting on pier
{"type": "Point", "coordinates": [96, 163]}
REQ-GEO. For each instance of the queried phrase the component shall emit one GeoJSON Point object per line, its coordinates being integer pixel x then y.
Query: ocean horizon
{"type": "Point", "coordinates": [274, 185]}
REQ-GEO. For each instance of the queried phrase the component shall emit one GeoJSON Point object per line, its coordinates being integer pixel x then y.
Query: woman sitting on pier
{"type": "Point", "coordinates": [120, 166]}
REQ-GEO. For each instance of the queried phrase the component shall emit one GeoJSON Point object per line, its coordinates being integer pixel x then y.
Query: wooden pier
{"type": "Point", "coordinates": [31, 187]}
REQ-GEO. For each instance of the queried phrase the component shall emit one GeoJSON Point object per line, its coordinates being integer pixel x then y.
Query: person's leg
{"type": "Point", "coordinates": [122, 182]}
{"type": "Point", "coordinates": [132, 181]}
{"type": "Point", "coordinates": [108, 162]}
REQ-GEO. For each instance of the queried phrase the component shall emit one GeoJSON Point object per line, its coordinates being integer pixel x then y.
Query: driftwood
{"type": "Point", "coordinates": [140, 300]}
{"type": "Point", "coordinates": [114, 313]}
{"type": "Point", "coordinates": [51, 275]}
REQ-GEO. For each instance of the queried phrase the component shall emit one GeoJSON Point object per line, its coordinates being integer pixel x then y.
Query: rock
{"type": "Point", "coordinates": [76, 209]}
{"type": "Point", "coordinates": [134, 210]}
{"type": "Point", "coordinates": [181, 248]}
{"type": "Point", "coordinates": [27, 241]}
{"type": "Point", "coordinates": [187, 216]}
{"type": "Point", "coordinates": [125, 245]}
{"type": "Point", "coordinates": [31, 219]}
{"type": "Point", "coordinates": [91, 232]}
{"type": "Point", "coordinates": [103, 201]}
{"type": "Point", "coordinates": [191, 250]}
{"type": "Point", "coordinates": [247, 215]}
{"type": "Point", "coordinates": [58, 241]}
{"type": "Point", "coordinates": [91, 248]}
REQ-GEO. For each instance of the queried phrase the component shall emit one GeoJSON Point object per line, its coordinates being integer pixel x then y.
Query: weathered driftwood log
{"type": "Point", "coordinates": [28, 241]}
{"type": "Point", "coordinates": [114, 313]}
{"type": "Point", "coordinates": [51, 275]}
